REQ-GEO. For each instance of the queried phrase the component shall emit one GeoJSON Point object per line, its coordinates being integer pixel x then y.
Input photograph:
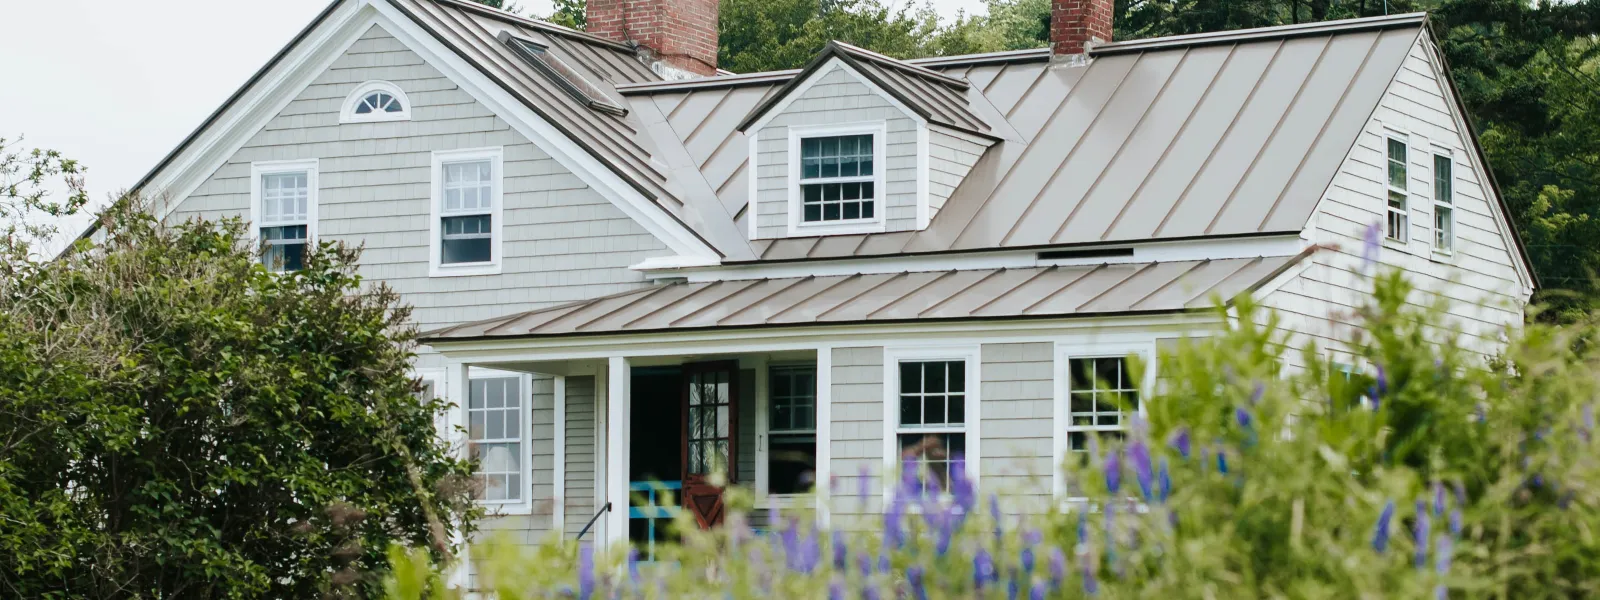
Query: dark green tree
{"type": "Point", "coordinates": [177, 422]}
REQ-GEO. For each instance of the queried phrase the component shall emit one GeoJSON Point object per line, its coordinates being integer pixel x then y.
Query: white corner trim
{"type": "Point", "coordinates": [763, 433]}
{"type": "Point", "coordinates": [496, 157]}
{"type": "Point", "coordinates": [924, 203]}
{"type": "Point", "coordinates": [879, 130]}
{"type": "Point", "coordinates": [752, 200]}
{"type": "Point", "coordinates": [972, 355]}
{"type": "Point", "coordinates": [824, 476]}
{"type": "Point", "coordinates": [258, 169]}
{"type": "Point", "coordinates": [1144, 347]}
{"type": "Point", "coordinates": [347, 111]}
{"type": "Point", "coordinates": [558, 512]}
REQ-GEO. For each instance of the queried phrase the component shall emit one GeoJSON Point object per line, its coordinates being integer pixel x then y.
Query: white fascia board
{"type": "Point", "coordinates": [272, 93]}
{"type": "Point", "coordinates": [780, 339]}
{"type": "Point", "coordinates": [1143, 252]}
{"type": "Point", "coordinates": [833, 64]}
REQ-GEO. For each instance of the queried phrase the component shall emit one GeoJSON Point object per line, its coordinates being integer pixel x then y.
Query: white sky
{"type": "Point", "coordinates": [118, 84]}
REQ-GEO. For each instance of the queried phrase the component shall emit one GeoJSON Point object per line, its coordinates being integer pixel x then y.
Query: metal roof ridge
{"type": "Point", "coordinates": [1263, 33]}
{"type": "Point", "coordinates": [546, 26]}
{"type": "Point", "coordinates": [698, 83]}
{"type": "Point", "coordinates": [924, 72]}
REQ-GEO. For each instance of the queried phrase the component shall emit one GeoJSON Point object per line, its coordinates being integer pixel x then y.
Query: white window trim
{"type": "Point", "coordinates": [524, 506]}
{"type": "Point", "coordinates": [1060, 424]}
{"type": "Point", "coordinates": [1447, 154]}
{"type": "Point", "coordinates": [972, 354]}
{"type": "Point", "coordinates": [347, 112]}
{"type": "Point", "coordinates": [495, 156]}
{"type": "Point", "coordinates": [1388, 186]}
{"type": "Point", "coordinates": [258, 169]}
{"type": "Point", "coordinates": [880, 144]}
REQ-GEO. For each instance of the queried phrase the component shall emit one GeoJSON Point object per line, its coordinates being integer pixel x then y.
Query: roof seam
{"type": "Point", "coordinates": [998, 297]}
{"type": "Point", "coordinates": [961, 291]}
{"type": "Point", "coordinates": [809, 298]}
{"type": "Point", "coordinates": [1070, 284]}
{"type": "Point", "coordinates": [1170, 282]}
{"type": "Point", "coordinates": [580, 326]}
{"type": "Point", "coordinates": [1116, 285]}
{"type": "Point", "coordinates": [821, 315]}
{"type": "Point", "coordinates": [908, 294]}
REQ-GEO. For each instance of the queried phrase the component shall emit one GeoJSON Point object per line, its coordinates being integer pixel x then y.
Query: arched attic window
{"type": "Point", "coordinates": [376, 101]}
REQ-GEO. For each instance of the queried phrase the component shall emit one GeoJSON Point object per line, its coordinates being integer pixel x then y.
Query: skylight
{"type": "Point", "coordinates": [560, 73]}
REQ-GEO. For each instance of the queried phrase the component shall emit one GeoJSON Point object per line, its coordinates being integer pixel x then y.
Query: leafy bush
{"type": "Point", "coordinates": [1429, 473]}
{"type": "Point", "coordinates": [176, 422]}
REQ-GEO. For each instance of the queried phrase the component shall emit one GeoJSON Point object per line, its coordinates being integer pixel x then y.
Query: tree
{"type": "Point", "coordinates": [177, 422]}
{"type": "Point", "coordinates": [27, 204]}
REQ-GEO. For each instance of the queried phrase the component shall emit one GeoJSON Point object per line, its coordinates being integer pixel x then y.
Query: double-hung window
{"type": "Point", "coordinates": [792, 424]}
{"type": "Point", "coordinates": [1102, 394]}
{"type": "Point", "coordinates": [839, 179]}
{"type": "Point", "coordinates": [1444, 216]}
{"type": "Point", "coordinates": [1398, 219]}
{"type": "Point", "coordinates": [467, 212]}
{"type": "Point", "coordinates": [932, 419]}
{"type": "Point", "coordinates": [495, 439]}
{"type": "Point", "coordinates": [284, 211]}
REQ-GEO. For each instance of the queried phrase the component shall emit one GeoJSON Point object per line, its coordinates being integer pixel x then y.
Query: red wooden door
{"type": "Point", "coordinates": [710, 434]}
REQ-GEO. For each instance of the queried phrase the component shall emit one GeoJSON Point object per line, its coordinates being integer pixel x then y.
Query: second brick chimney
{"type": "Point", "coordinates": [1077, 25]}
{"type": "Point", "coordinates": [680, 34]}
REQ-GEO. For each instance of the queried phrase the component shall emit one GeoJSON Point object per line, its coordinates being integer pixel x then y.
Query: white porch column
{"type": "Point", "coordinates": [455, 392]}
{"type": "Point", "coordinates": [558, 511]}
{"type": "Point", "coordinates": [618, 408]}
{"type": "Point", "coordinates": [824, 431]}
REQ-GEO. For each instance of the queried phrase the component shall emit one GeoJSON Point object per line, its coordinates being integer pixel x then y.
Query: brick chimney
{"type": "Point", "coordinates": [1077, 25]}
{"type": "Point", "coordinates": [680, 35]}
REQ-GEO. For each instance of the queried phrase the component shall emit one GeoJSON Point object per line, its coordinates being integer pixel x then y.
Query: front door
{"type": "Point", "coordinates": [710, 431]}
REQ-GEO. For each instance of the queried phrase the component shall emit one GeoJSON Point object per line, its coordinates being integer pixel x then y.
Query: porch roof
{"type": "Point", "coordinates": [1036, 292]}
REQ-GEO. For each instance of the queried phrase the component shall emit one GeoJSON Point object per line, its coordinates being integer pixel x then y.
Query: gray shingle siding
{"type": "Point", "coordinates": [837, 97]}
{"type": "Point", "coordinates": [951, 155]}
{"type": "Point", "coordinates": [564, 241]}
{"type": "Point", "coordinates": [856, 430]}
{"type": "Point", "coordinates": [1018, 396]}
{"type": "Point", "coordinates": [579, 495]}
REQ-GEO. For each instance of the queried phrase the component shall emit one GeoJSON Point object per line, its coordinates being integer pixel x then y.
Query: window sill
{"type": "Point", "coordinates": [837, 228]}
{"type": "Point", "coordinates": [506, 509]}
{"type": "Point", "coordinates": [464, 269]}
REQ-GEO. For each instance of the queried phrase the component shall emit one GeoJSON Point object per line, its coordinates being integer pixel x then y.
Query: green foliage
{"type": "Point", "coordinates": [177, 422]}
{"type": "Point", "coordinates": [1251, 478]}
{"type": "Point", "coordinates": [27, 207]}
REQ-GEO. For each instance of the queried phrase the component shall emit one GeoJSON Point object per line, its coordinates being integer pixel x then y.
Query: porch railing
{"type": "Point", "coordinates": [652, 510]}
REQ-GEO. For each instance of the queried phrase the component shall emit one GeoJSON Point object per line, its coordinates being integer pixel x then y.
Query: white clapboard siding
{"type": "Point", "coordinates": [1478, 282]}
{"type": "Point", "coordinates": [564, 241]}
{"type": "Point", "coordinates": [837, 98]}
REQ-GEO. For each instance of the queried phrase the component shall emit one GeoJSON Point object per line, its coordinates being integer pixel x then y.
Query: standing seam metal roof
{"type": "Point", "coordinates": [1038, 292]}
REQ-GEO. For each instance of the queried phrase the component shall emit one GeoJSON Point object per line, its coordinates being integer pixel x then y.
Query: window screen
{"type": "Point", "coordinates": [836, 178]}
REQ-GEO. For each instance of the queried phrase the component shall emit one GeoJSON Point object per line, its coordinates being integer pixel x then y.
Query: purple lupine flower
{"type": "Point", "coordinates": [1455, 522]}
{"type": "Point", "coordinates": [982, 569]}
{"type": "Point", "coordinates": [870, 592]}
{"type": "Point", "coordinates": [1037, 592]}
{"type": "Point", "coordinates": [836, 589]}
{"type": "Point", "coordinates": [1481, 412]}
{"type": "Point", "coordinates": [1445, 554]}
{"type": "Point", "coordinates": [1222, 461]}
{"type": "Point", "coordinates": [1013, 587]}
{"type": "Point", "coordinates": [1026, 558]}
{"type": "Point", "coordinates": [947, 531]}
{"type": "Point", "coordinates": [961, 488]}
{"type": "Point", "coordinates": [633, 564]}
{"type": "Point", "coordinates": [1438, 498]}
{"type": "Point", "coordinates": [1139, 458]}
{"type": "Point", "coordinates": [863, 483]}
{"type": "Point", "coordinates": [1382, 381]}
{"type": "Point", "coordinates": [586, 579]}
{"type": "Point", "coordinates": [790, 539]}
{"type": "Point", "coordinates": [1421, 533]}
{"type": "Point", "coordinates": [1380, 536]}
{"type": "Point", "coordinates": [1083, 528]}
{"type": "Point", "coordinates": [994, 513]}
{"type": "Point", "coordinates": [892, 531]}
{"type": "Point", "coordinates": [1113, 470]}
{"type": "Point", "coordinates": [1058, 568]}
{"type": "Point", "coordinates": [1588, 420]}
{"type": "Point", "coordinates": [1181, 442]}
{"type": "Point", "coordinates": [1256, 394]}
{"type": "Point", "coordinates": [1370, 246]}
{"type": "Point", "coordinates": [1090, 586]}
{"type": "Point", "coordinates": [841, 551]}
{"type": "Point", "coordinates": [1032, 537]}
{"type": "Point", "coordinates": [910, 479]}
{"type": "Point", "coordinates": [919, 591]}
{"type": "Point", "coordinates": [1242, 416]}
{"type": "Point", "coordinates": [1440, 592]}
{"type": "Point", "coordinates": [883, 562]}
{"type": "Point", "coordinates": [864, 564]}
{"type": "Point", "coordinates": [1164, 482]}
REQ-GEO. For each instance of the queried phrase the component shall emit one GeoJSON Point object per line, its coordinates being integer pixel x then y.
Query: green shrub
{"type": "Point", "coordinates": [176, 422]}
{"type": "Point", "coordinates": [1428, 472]}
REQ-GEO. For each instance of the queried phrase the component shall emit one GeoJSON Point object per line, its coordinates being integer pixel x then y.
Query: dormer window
{"type": "Point", "coordinates": [376, 101]}
{"type": "Point", "coordinates": [838, 175]}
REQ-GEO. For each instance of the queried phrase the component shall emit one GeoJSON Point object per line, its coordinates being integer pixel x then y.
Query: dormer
{"type": "Point", "coordinates": [857, 142]}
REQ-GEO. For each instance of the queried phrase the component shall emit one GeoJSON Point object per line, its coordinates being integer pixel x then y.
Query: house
{"type": "Point", "coordinates": [631, 266]}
